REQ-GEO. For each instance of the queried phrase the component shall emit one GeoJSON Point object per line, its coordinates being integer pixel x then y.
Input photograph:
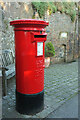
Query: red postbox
{"type": "Point", "coordinates": [30, 40]}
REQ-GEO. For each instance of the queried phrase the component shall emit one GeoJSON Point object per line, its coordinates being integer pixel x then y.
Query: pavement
{"type": "Point", "coordinates": [67, 110]}
{"type": "Point", "coordinates": [60, 85]}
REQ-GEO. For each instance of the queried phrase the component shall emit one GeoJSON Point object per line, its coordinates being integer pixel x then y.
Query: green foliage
{"type": "Point", "coordinates": [6, 24]}
{"type": "Point", "coordinates": [49, 50]}
{"type": "Point", "coordinates": [79, 10]}
{"type": "Point", "coordinates": [64, 7]}
{"type": "Point", "coordinates": [73, 16]}
{"type": "Point", "coordinates": [59, 7]}
{"type": "Point", "coordinates": [41, 7]}
{"type": "Point", "coordinates": [69, 8]}
{"type": "Point", "coordinates": [79, 14]}
{"type": "Point", "coordinates": [33, 17]}
{"type": "Point", "coordinates": [52, 8]}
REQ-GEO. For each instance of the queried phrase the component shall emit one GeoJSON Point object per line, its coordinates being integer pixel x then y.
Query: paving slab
{"type": "Point", "coordinates": [67, 110]}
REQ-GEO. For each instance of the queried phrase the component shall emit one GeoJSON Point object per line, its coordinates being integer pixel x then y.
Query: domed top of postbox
{"type": "Point", "coordinates": [29, 22]}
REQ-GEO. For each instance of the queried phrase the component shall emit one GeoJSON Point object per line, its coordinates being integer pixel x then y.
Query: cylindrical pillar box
{"type": "Point", "coordinates": [30, 40]}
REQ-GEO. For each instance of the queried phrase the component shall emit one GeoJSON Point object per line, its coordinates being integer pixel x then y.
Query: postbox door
{"type": "Point", "coordinates": [39, 61]}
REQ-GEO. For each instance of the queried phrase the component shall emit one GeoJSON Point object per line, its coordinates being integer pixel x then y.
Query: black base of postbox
{"type": "Point", "coordinates": [29, 104]}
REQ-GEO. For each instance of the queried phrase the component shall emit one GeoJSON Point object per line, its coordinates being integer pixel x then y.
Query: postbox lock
{"type": "Point", "coordinates": [40, 32]}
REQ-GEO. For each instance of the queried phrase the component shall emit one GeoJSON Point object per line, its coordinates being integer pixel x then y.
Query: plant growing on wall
{"type": "Point", "coordinates": [41, 7]}
{"type": "Point", "coordinates": [64, 7]}
{"type": "Point", "coordinates": [52, 8]}
{"type": "Point", "coordinates": [69, 8]}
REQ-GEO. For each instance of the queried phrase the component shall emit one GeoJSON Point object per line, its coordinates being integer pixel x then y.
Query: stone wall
{"type": "Point", "coordinates": [66, 48]}
{"type": "Point", "coordinates": [0, 35]}
{"type": "Point", "coordinates": [12, 11]}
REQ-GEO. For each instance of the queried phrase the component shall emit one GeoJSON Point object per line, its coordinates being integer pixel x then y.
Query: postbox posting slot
{"type": "Point", "coordinates": [38, 36]}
